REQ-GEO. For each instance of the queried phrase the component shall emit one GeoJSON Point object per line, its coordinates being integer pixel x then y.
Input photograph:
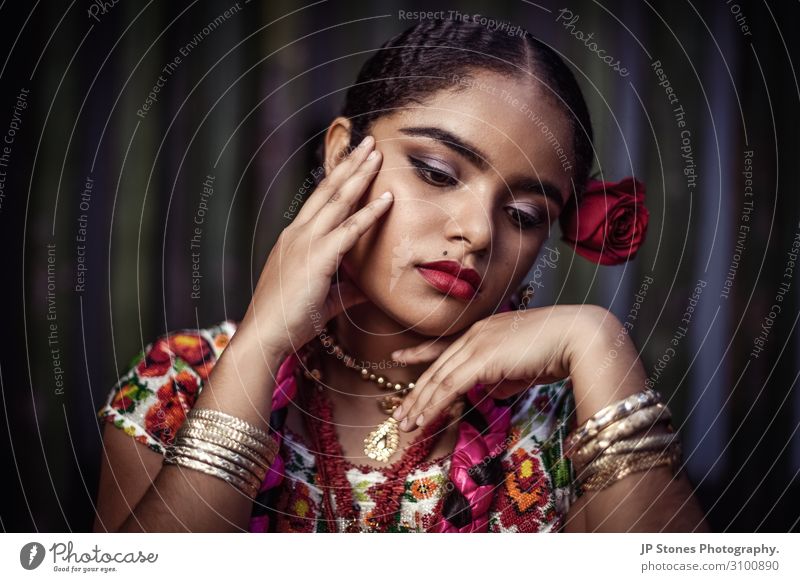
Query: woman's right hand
{"type": "Point", "coordinates": [294, 297]}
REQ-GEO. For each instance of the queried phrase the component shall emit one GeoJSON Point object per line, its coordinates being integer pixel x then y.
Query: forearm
{"type": "Point", "coordinates": [647, 501]}
{"type": "Point", "coordinates": [650, 500]}
{"type": "Point", "coordinates": [181, 499]}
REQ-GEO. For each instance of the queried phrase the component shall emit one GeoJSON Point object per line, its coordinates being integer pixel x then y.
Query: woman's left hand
{"type": "Point", "coordinates": [508, 352]}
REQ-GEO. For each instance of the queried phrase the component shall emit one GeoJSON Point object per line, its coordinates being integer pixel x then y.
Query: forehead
{"type": "Point", "coordinates": [515, 122]}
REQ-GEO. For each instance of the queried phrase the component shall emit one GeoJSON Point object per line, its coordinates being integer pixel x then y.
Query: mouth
{"type": "Point", "coordinates": [451, 278]}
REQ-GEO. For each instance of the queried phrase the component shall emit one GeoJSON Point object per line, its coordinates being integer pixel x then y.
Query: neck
{"type": "Point", "coordinates": [368, 335]}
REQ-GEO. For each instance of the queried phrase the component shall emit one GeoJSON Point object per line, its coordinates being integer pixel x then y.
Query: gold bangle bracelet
{"type": "Point", "coordinates": [188, 463]}
{"type": "Point", "coordinates": [625, 445]}
{"type": "Point", "coordinates": [624, 428]}
{"type": "Point", "coordinates": [266, 452]}
{"type": "Point", "coordinates": [643, 443]}
{"type": "Point", "coordinates": [218, 462]}
{"type": "Point", "coordinates": [649, 461]}
{"type": "Point", "coordinates": [611, 413]}
{"type": "Point", "coordinates": [606, 464]}
{"type": "Point", "coordinates": [224, 453]}
{"type": "Point", "coordinates": [213, 436]}
{"type": "Point", "coordinates": [609, 461]}
{"type": "Point", "coordinates": [670, 457]}
{"type": "Point", "coordinates": [218, 417]}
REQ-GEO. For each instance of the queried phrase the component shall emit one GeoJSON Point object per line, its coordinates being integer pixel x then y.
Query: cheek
{"type": "Point", "coordinates": [513, 260]}
{"type": "Point", "coordinates": [392, 245]}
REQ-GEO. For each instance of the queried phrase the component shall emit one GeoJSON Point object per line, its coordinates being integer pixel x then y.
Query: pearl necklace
{"type": "Point", "coordinates": [382, 442]}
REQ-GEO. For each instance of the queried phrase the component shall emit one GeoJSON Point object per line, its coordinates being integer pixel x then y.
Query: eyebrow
{"type": "Point", "coordinates": [477, 158]}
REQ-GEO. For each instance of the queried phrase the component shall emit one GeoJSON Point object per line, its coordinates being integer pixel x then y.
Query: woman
{"type": "Point", "coordinates": [386, 376]}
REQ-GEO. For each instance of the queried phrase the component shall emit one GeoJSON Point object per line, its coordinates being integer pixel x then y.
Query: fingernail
{"type": "Point", "coordinates": [394, 354]}
{"type": "Point", "coordinates": [366, 142]}
{"type": "Point", "coordinates": [372, 155]}
{"type": "Point", "coordinates": [420, 420]}
{"type": "Point", "coordinates": [404, 424]}
{"type": "Point", "coordinates": [398, 412]}
{"type": "Point", "coordinates": [386, 195]}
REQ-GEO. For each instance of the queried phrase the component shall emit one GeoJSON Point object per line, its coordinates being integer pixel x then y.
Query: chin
{"type": "Point", "coordinates": [430, 313]}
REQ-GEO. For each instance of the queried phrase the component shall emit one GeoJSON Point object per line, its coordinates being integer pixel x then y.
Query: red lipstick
{"type": "Point", "coordinates": [451, 278]}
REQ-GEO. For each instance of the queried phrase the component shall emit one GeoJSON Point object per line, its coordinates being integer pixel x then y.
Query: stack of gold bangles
{"type": "Point", "coordinates": [610, 445]}
{"type": "Point", "coordinates": [224, 446]}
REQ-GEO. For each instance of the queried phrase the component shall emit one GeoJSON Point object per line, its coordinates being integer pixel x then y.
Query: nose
{"type": "Point", "coordinates": [470, 222]}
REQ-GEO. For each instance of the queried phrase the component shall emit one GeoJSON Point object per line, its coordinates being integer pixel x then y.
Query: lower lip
{"type": "Point", "coordinates": [448, 284]}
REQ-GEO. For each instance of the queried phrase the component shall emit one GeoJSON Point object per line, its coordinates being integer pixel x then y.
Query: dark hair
{"type": "Point", "coordinates": [426, 58]}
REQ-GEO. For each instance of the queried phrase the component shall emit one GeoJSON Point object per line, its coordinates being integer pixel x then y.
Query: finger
{"type": "Point", "coordinates": [333, 181]}
{"type": "Point", "coordinates": [441, 394]}
{"type": "Point", "coordinates": [425, 352]}
{"type": "Point", "coordinates": [345, 236]}
{"type": "Point", "coordinates": [410, 408]}
{"type": "Point", "coordinates": [342, 202]}
{"type": "Point", "coordinates": [401, 412]}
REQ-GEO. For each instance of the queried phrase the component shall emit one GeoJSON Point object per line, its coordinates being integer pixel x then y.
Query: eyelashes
{"type": "Point", "coordinates": [524, 219]}
{"type": "Point", "coordinates": [440, 179]}
{"type": "Point", "coordinates": [431, 175]}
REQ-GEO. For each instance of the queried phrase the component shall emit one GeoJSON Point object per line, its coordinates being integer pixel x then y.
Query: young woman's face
{"type": "Point", "coordinates": [477, 173]}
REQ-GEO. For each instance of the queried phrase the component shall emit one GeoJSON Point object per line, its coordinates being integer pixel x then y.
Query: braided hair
{"type": "Point", "coordinates": [427, 57]}
{"type": "Point", "coordinates": [409, 67]}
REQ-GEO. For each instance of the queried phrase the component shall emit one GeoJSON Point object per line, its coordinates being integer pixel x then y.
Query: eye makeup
{"type": "Point", "coordinates": [439, 175]}
{"type": "Point", "coordinates": [433, 172]}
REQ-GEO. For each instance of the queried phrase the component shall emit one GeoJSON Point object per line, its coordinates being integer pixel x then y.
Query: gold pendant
{"type": "Point", "coordinates": [382, 442]}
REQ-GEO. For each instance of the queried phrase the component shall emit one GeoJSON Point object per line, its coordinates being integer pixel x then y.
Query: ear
{"type": "Point", "coordinates": [337, 142]}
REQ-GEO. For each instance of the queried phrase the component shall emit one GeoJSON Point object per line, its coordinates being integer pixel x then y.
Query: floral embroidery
{"type": "Point", "coordinates": [360, 490]}
{"type": "Point", "coordinates": [424, 488]}
{"type": "Point", "coordinates": [526, 481]}
{"type": "Point", "coordinates": [127, 397]}
{"type": "Point", "coordinates": [298, 508]}
{"type": "Point", "coordinates": [166, 416]}
{"type": "Point", "coordinates": [151, 400]}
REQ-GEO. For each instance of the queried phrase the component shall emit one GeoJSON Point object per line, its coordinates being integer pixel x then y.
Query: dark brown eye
{"type": "Point", "coordinates": [524, 219]}
{"type": "Point", "coordinates": [432, 175]}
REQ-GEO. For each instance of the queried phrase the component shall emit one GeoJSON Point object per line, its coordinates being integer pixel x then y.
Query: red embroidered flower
{"type": "Point", "coordinates": [525, 493]}
{"type": "Point", "coordinates": [123, 400]}
{"type": "Point", "coordinates": [191, 348]}
{"type": "Point", "coordinates": [165, 417]}
{"type": "Point", "coordinates": [296, 509]}
{"type": "Point", "coordinates": [157, 361]}
{"type": "Point", "coordinates": [187, 384]}
{"type": "Point", "coordinates": [195, 351]}
{"type": "Point", "coordinates": [609, 224]}
{"type": "Point", "coordinates": [527, 484]}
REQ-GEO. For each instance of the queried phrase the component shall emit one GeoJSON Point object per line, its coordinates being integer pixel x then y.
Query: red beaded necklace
{"type": "Point", "coordinates": [332, 467]}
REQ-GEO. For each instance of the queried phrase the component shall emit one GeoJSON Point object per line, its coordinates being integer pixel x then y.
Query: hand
{"type": "Point", "coordinates": [294, 297]}
{"type": "Point", "coordinates": [508, 352]}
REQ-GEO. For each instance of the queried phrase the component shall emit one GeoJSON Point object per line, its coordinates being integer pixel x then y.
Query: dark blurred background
{"type": "Point", "coordinates": [99, 195]}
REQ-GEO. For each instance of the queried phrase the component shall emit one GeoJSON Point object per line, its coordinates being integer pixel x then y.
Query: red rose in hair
{"type": "Point", "coordinates": [609, 224]}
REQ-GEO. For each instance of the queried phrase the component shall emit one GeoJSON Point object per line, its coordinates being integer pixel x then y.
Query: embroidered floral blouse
{"type": "Point", "coordinates": [151, 400]}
